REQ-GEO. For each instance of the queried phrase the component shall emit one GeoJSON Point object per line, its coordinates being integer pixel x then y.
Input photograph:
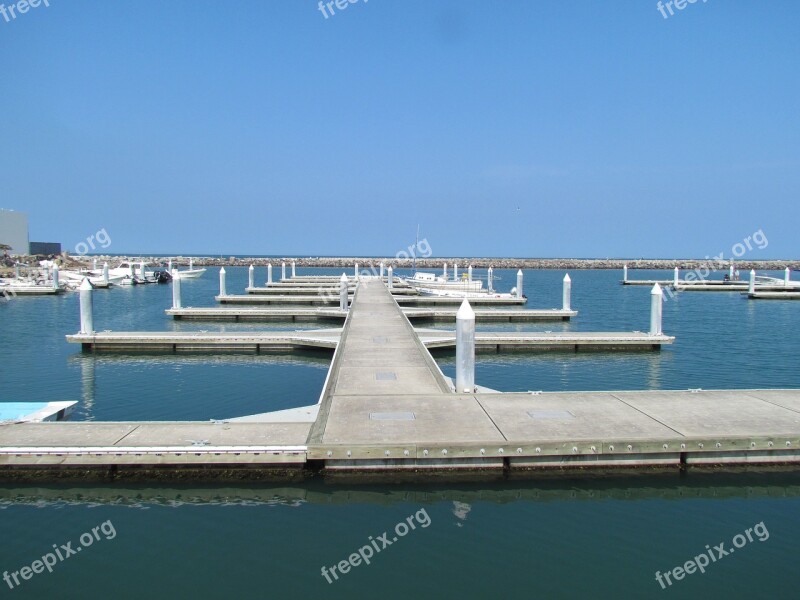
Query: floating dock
{"type": "Point", "coordinates": [250, 314]}
{"type": "Point", "coordinates": [774, 296]}
{"type": "Point", "coordinates": [333, 299]}
{"type": "Point", "coordinates": [386, 407]}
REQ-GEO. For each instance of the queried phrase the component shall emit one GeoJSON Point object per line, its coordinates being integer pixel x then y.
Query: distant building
{"type": "Point", "coordinates": [46, 248]}
{"type": "Point", "coordinates": [14, 230]}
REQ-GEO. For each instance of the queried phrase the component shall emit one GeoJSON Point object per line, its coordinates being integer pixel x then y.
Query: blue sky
{"type": "Point", "coordinates": [502, 127]}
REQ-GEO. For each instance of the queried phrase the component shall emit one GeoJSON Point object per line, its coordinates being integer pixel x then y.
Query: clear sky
{"type": "Point", "coordinates": [501, 127]}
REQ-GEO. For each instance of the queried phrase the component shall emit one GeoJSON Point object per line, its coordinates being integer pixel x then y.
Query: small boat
{"type": "Point", "coordinates": [35, 412]}
{"type": "Point", "coordinates": [431, 281]}
{"type": "Point", "coordinates": [188, 274]}
{"type": "Point", "coordinates": [451, 293]}
{"type": "Point", "coordinates": [133, 273]}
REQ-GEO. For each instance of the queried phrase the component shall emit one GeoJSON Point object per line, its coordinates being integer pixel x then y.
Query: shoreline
{"type": "Point", "coordinates": [430, 263]}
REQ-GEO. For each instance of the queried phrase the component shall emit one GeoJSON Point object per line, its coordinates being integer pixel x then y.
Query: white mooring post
{"type": "Point", "coordinates": [455, 271]}
{"type": "Point", "coordinates": [16, 271]}
{"type": "Point", "coordinates": [390, 272]}
{"type": "Point", "coordinates": [676, 277]}
{"type": "Point", "coordinates": [141, 270]}
{"type": "Point", "coordinates": [382, 269]}
{"type": "Point", "coordinates": [355, 271]}
{"type": "Point", "coordinates": [656, 306]}
{"type": "Point", "coordinates": [191, 264]}
{"type": "Point", "coordinates": [567, 293]}
{"type": "Point", "coordinates": [343, 292]}
{"type": "Point", "coordinates": [169, 266]}
{"type": "Point", "coordinates": [469, 274]}
{"type": "Point", "coordinates": [283, 271]}
{"type": "Point", "coordinates": [625, 272]}
{"type": "Point", "coordinates": [465, 349]}
{"type": "Point", "coordinates": [251, 277]}
{"type": "Point", "coordinates": [731, 271]}
{"type": "Point", "coordinates": [490, 279]}
{"type": "Point", "coordinates": [94, 264]}
{"type": "Point", "coordinates": [269, 273]}
{"type": "Point", "coordinates": [444, 272]}
{"type": "Point", "coordinates": [55, 276]}
{"type": "Point", "coordinates": [519, 283]}
{"type": "Point", "coordinates": [294, 270]}
{"type": "Point", "coordinates": [752, 288]}
{"type": "Point", "coordinates": [222, 291]}
{"type": "Point", "coordinates": [87, 322]}
{"type": "Point", "coordinates": [787, 274]}
{"type": "Point", "coordinates": [176, 289]}
{"type": "Point", "coordinates": [105, 273]}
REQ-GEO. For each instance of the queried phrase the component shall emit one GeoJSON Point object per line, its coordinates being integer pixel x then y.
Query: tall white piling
{"type": "Point", "coordinates": [567, 293]}
{"type": "Point", "coordinates": [169, 266]}
{"type": "Point", "coordinates": [343, 292]}
{"type": "Point", "coordinates": [469, 274]}
{"type": "Point", "coordinates": [251, 277]}
{"type": "Point", "coordinates": [676, 277]}
{"type": "Point", "coordinates": [105, 273]}
{"type": "Point", "coordinates": [355, 271]}
{"type": "Point", "coordinates": [94, 264]}
{"type": "Point", "coordinates": [141, 270]}
{"type": "Point", "coordinates": [87, 322]}
{"type": "Point", "coordinates": [465, 348]}
{"type": "Point", "coordinates": [382, 269]}
{"type": "Point", "coordinates": [787, 274]}
{"type": "Point", "coordinates": [656, 306]}
{"type": "Point", "coordinates": [455, 271]}
{"type": "Point", "coordinates": [625, 272]}
{"type": "Point", "coordinates": [191, 264]}
{"type": "Point", "coordinates": [731, 271]}
{"type": "Point", "coordinates": [269, 273]}
{"type": "Point", "coordinates": [55, 276]}
{"type": "Point", "coordinates": [490, 279]}
{"type": "Point", "coordinates": [390, 272]}
{"type": "Point", "coordinates": [752, 287]}
{"type": "Point", "coordinates": [294, 270]}
{"type": "Point", "coordinates": [176, 289]}
{"type": "Point", "coordinates": [444, 272]}
{"type": "Point", "coordinates": [222, 291]}
{"type": "Point", "coordinates": [519, 283]}
{"type": "Point", "coordinates": [283, 271]}
{"type": "Point", "coordinates": [16, 271]}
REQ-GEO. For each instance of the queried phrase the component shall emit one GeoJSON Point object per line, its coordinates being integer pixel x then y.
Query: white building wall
{"type": "Point", "coordinates": [14, 230]}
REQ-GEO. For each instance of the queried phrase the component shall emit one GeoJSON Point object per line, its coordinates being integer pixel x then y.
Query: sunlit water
{"type": "Point", "coordinates": [599, 537]}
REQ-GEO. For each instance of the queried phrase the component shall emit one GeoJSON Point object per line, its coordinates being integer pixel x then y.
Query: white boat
{"type": "Point", "coordinates": [187, 274]}
{"type": "Point", "coordinates": [35, 412]}
{"type": "Point", "coordinates": [75, 278]}
{"type": "Point", "coordinates": [131, 273]}
{"type": "Point", "coordinates": [451, 293]}
{"type": "Point", "coordinates": [431, 281]}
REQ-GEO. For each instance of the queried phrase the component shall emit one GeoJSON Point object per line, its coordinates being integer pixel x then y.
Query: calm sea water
{"type": "Point", "coordinates": [599, 537]}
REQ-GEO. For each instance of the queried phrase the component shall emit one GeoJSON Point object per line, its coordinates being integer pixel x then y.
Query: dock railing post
{"type": "Point", "coordinates": [469, 273]}
{"type": "Point", "coordinates": [55, 276]}
{"type": "Point", "coordinates": [656, 306]}
{"type": "Point", "coordinates": [222, 291]}
{"type": "Point", "coordinates": [465, 349]}
{"type": "Point", "coordinates": [567, 293]}
{"type": "Point", "coordinates": [343, 292]}
{"type": "Point", "coordinates": [382, 269]}
{"type": "Point", "coordinates": [283, 271]}
{"type": "Point", "coordinates": [676, 277]}
{"type": "Point", "coordinates": [752, 288]}
{"type": "Point", "coordinates": [87, 322]}
{"type": "Point", "coordinates": [490, 279]}
{"type": "Point", "coordinates": [269, 273]}
{"type": "Point", "coordinates": [176, 289]}
{"type": "Point", "coordinates": [787, 274]}
{"type": "Point", "coordinates": [519, 283]}
{"type": "Point", "coordinates": [625, 272]}
{"type": "Point", "coordinates": [390, 272]}
{"type": "Point", "coordinates": [105, 273]}
{"type": "Point", "coordinates": [294, 270]}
